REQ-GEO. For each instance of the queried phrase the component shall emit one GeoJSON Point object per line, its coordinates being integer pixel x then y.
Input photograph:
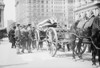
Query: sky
{"type": "Point", "coordinates": [9, 11]}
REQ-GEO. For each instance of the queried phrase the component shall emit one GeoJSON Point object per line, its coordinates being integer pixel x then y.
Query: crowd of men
{"type": "Point", "coordinates": [22, 37]}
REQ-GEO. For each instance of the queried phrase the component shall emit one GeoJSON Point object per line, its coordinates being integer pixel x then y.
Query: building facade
{"type": "Point", "coordinates": [10, 25]}
{"type": "Point", "coordinates": [35, 11]}
{"type": "Point", "coordinates": [70, 12]}
{"type": "Point", "coordinates": [1, 13]}
{"type": "Point", "coordinates": [21, 11]}
{"type": "Point", "coordinates": [85, 8]}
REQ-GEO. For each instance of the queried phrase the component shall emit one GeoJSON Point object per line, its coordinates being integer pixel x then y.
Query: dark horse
{"type": "Point", "coordinates": [92, 32]}
{"type": "Point", "coordinates": [95, 38]}
{"type": "Point", "coordinates": [81, 34]}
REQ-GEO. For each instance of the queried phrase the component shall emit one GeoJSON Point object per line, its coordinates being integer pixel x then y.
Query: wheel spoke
{"type": "Point", "coordinates": [52, 38]}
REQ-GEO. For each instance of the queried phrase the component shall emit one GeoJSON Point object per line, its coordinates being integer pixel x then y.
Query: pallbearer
{"type": "Point", "coordinates": [24, 38]}
{"type": "Point", "coordinates": [18, 38]}
{"type": "Point", "coordinates": [12, 36]}
{"type": "Point", "coordinates": [29, 28]}
{"type": "Point", "coordinates": [33, 35]}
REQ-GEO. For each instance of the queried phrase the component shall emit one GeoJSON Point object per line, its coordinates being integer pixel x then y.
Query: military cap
{"type": "Point", "coordinates": [29, 24]}
{"type": "Point", "coordinates": [14, 27]}
{"type": "Point", "coordinates": [18, 24]}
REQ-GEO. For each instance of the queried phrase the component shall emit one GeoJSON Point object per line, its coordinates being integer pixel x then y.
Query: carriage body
{"type": "Point", "coordinates": [54, 35]}
{"type": "Point", "coordinates": [62, 33]}
{"type": "Point", "coordinates": [43, 27]}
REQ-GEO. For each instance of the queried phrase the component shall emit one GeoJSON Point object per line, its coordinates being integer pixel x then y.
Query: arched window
{"type": "Point", "coordinates": [76, 17]}
{"type": "Point", "coordinates": [96, 11]}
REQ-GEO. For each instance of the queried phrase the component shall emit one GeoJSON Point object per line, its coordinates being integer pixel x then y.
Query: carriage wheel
{"type": "Point", "coordinates": [83, 48]}
{"type": "Point", "coordinates": [37, 39]}
{"type": "Point", "coordinates": [80, 49]}
{"type": "Point", "coordinates": [52, 39]}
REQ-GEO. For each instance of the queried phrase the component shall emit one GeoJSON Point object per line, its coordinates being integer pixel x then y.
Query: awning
{"type": "Point", "coordinates": [89, 23]}
{"type": "Point", "coordinates": [3, 28]}
{"type": "Point", "coordinates": [81, 23]}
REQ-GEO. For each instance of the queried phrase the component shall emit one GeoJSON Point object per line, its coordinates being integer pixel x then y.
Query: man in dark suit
{"type": "Point", "coordinates": [29, 41]}
{"type": "Point", "coordinates": [12, 36]}
{"type": "Point", "coordinates": [18, 38]}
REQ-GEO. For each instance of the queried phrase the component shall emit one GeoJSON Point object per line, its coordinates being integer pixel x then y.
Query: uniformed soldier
{"type": "Point", "coordinates": [33, 34]}
{"type": "Point", "coordinates": [29, 28]}
{"type": "Point", "coordinates": [24, 38]}
{"type": "Point", "coordinates": [18, 38]}
{"type": "Point", "coordinates": [12, 36]}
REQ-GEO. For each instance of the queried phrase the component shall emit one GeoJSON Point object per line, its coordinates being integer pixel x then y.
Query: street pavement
{"type": "Point", "coordinates": [39, 59]}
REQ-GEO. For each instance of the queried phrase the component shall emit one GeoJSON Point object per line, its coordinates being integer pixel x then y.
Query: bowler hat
{"type": "Point", "coordinates": [29, 24]}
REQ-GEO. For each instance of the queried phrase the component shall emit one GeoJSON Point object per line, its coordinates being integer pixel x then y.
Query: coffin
{"type": "Point", "coordinates": [47, 23]}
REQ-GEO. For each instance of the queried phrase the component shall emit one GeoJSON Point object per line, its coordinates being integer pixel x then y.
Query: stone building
{"type": "Point", "coordinates": [1, 13]}
{"type": "Point", "coordinates": [10, 25]}
{"type": "Point", "coordinates": [22, 11]}
{"type": "Point", "coordinates": [70, 11]}
{"type": "Point", "coordinates": [86, 7]}
{"type": "Point", "coordinates": [43, 9]}
{"type": "Point", "coordinates": [35, 11]}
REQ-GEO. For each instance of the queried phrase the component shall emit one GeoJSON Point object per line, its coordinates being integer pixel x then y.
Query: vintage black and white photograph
{"type": "Point", "coordinates": [49, 33]}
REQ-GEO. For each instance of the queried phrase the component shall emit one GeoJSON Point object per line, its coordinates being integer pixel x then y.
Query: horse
{"type": "Point", "coordinates": [92, 33]}
{"type": "Point", "coordinates": [95, 39]}
{"type": "Point", "coordinates": [77, 37]}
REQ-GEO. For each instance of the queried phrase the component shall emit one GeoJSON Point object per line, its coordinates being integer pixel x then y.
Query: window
{"type": "Point", "coordinates": [34, 1]}
{"type": "Point", "coordinates": [42, 1]}
{"type": "Point", "coordinates": [38, 6]}
{"type": "Point", "coordinates": [42, 10]}
{"type": "Point", "coordinates": [38, 13]}
{"type": "Point", "coordinates": [89, 1]}
{"type": "Point", "coordinates": [83, 2]}
{"type": "Point", "coordinates": [42, 14]}
{"type": "Point", "coordinates": [29, 1]}
{"type": "Point", "coordinates": [47, 14]}
{"type": "Point", "coordinates": [34, 6]}
{"type": "Point", "coordinates": [46, 2]}
{"type": "Point", "coordinates": [47, 10]}
{"type": "Point", "coordinates": [47, 6]}
{"type": "Point", "coordinates": [42, 6]}
{"type": "Point", "coordinates": [96, 11]}
{"type": "Point", "coordinates": [38, 1]}
{"type": "Point", "coordinates": [70, 1]}
{"type": "Point", "coordinates": [52, 10]}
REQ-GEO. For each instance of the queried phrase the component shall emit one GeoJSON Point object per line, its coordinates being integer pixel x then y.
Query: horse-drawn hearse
{"type": "Point", "coordinates": [81, 33]}
{"type": "Point", "coordinates": [55, 36]}
{"type": "Point", "coordinates": [42, 31]}
{"type": "Point", "coordinates": [88, 32]}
